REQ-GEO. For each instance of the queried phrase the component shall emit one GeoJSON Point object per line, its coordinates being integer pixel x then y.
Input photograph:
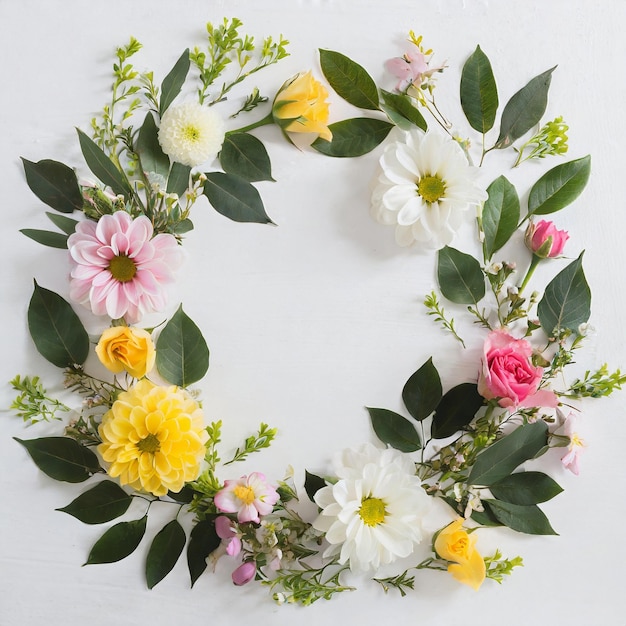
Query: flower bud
{"type": "Point", "coordinates": [544, 240]}
{"type": "Point", "coordinates": [244, 573]}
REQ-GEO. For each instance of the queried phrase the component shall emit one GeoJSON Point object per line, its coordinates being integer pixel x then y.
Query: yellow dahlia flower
{"type": "Point", "coordinates": [154, 438]}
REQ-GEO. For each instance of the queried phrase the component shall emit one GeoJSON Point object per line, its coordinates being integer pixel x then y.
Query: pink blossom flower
{"type": "Point", "coordinates": [226, 532]}
{"type": "Point", "coordinates": [545, 240]}
{"type": "Point", "coordinates": [249, 497]}
{"type": "Point", "coordinates": [244, 573]}
{"type": "Point", "coordinates": [409, 68]}
{"type": "Point", "coordinates": [575, 447]}
{"type": "Point", "coordinates": [119, 268]}
{"type": "Point", "coordinates": [509, 375]}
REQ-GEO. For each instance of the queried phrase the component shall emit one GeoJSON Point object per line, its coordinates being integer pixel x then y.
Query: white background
{"type": "Point", "coordinates": [310, 321]}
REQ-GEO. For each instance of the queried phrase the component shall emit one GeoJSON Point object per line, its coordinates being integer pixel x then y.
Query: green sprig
{"type": "Point", "coordinates": [550, 140]}
{"type": "Point", "coordinates": [254, 443]}
{"type": "Point", "coordinates": [33, 404]}
{"type": "Point", "coordinates": [497, 567]}
{"type": "Point", "coordinates": [598, 384]}
{"type": "Point", "coordinates": [436, 311]}
{"type": "Point", "coordinates": [401, 582]}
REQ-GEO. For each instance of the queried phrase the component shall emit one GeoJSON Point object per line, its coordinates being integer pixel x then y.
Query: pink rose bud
{"type": "Point", "coordinates": [545, 240]}
{"type": "Point", "coordinates": [244, 573]}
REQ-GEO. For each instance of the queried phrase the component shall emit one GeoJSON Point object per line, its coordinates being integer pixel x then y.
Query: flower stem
{"type": "Point", "coordinates": [268, 119]}
{"type": "Point", "coordinates": [529, 273]}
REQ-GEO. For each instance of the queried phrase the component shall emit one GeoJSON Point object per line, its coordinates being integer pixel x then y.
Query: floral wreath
{"type": "Point", "coordinates": [140, 431]}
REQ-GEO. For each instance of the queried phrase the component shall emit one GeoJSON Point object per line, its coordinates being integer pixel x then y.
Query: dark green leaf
{"type": "Point", "coordinates": [479, 93]}
{"type": "Point", "coordinates": [245, 155]}
{"type": "Point", "coordinates": [58, 333]}
{"type": "Point", "coordinates": [118, 542]}
{"type": "Point", "coordinates": [485, 517]}
{"type": "Point", "coordinates": [460, 278]}
{"type": "Point", "coordinates": [202, 542]}
{"type": "Point", "coordinates": [101, 166]}
{"type": "Point", "coordinates": [46, 237]}
{"type": "Point", "coordinates": [62, 458]}
{"type": "Point", "coordinates": [178, 180]}
{"type": "Point", "coordinates": [524, 109]}
{"type": "Point", "coordinates": [185, 495]}
{"type": "Point", "coordinates": [456, 410]}
{"type": "Point", "coordinates": [524, 519]}
{"type": "Point", "coordinates": [422, 392]}
{"type": "Point", "coordinates": [506, 455]}
{"type": "Point", "coordinates": [559, 186]}
{"type": "Point", "coordinates": [353, 137]}
{"type": "Point", "coordinates": [566, 301]}
{"type": "Point", "coordinates": [55, 184]}
{"type": "Point", "coordinates": [151, 155]}
{"type": "Point", "coordinates": [349, 80]}
{"type": "Point", "coordinates": [402, 110]}
{"type": "Point", "coordinates": [312, 484]}
{"type": "Point", "coordinates": [394, 430]}
{"type": "Point", "coordinates": [182, 355]}
{"type": "Point", "coordinates": [235, 198]}
{"type": "Point", "coordinates": [525, 488]}
{"type": "Point", "coordinates": [173, 82]}
{"type": "Point", "coordinates": [500, 215]}
{"type": "Point", "coordinates": [102, 503]}
{"type": "Point", "coordinates": [182, 227]}
{"type": "Point", "coordinates": [166, 547]}
{"type": "Point", "coordinates": [66, 224]}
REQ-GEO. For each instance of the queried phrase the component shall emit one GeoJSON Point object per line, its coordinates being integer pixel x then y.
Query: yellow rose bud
{"type": "Point", "coordinates": [455, 544]}
{"type": "Point", "coordinates": [300, 106]}
{"type": "Point", "coordinates": [125, 348]}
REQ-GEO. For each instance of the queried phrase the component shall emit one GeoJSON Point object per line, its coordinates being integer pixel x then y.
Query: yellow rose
{"type": "Point", "coordinates": [124, 348]}
{"type": "Point", "coordinates": [455, 544]}
{"type": "Point", "coordinates": [300, 106]}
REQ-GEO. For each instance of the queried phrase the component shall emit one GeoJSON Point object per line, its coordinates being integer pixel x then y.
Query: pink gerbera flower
{"type": "Point", "coordinates": [119, 268]}
{"type": "Point", "coordinates": [249, 497]}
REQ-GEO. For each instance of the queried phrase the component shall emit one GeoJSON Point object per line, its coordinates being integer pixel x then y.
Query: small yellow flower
{"type": "Point", "coordinates": [300, 106]}
{"type": "Point", "coordinates": [455, 544]}
{"type": "Point", "coordinates": [154, 438]}
{"type": "Point", "coordinates": [125, 348]}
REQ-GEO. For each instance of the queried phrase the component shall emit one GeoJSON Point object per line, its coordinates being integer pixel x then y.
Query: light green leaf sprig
{"type": "Point", "coordinates": [33, 404]}
{"type": "Point", "coordinates": [550, 140]}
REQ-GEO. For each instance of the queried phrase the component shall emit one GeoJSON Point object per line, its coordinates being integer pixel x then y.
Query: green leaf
{"type": "Point", "coordinates": [459, 275]}
{"type": "Point", "coordinates": [245, 155]}
{"type": "Point", "coordinates": [525, 488]}
{"type": "Point", "coordinates": [401, 109]}
{"type": "Point", "coordinates": [62, 458]}
{"type": "Point", "coordinates": [165, 550]}
{"type": "Point", "coordinates": [485, 517]}
{"type": "Point", "coordinates": [235, 198]}
{"type": "Point", "coordinates": [202, 542]}
{"type": "Point", "coordinates": [504, 456]}
{"type": "Point", "coordinates": [173, 82]}
{"type": "Point", "coordinates": [101, 166]}
{"type": "Point", "coordinates": [185, 495]}
{"type": "Point", "coordinates": [46, 237]}
{"type": "Point", "coordinates": [500, 215]}
{"type": "Point", "coordinates": [182, 355]}
{"type": "Point", "coordinates": [479, 93]}
{"type": "Point", "coordinates": [394, 430]}
{"type": "Point", "coordinates": [422, 392]}
{"type": "Point", "coordinates": [456, 410]}
{"type": "Point", "coordinates": [525, 519]}
{"type": "Point", "coordinates": [559, 186]}
{"type": "Point", "coordinates": [58, 333]}
{"type": "Point", "coordinates": [55, 184]}
{"type": "Point", "coordinates": [178, 180]}
{"type": "Point", "coordinates": [151, 155]}
{"type": "Point", "coordinates": [566, 302]}
{"type": "Point", "coordinates": [118, 542]}
{"type": "Point", "coordinates": [102, 503]}
{"type": "Point", "coordinates": [353, 137]}
{"type": "Point", "coordinates": [349, 80]}
{"type": "Point", "coordinates": [66, 224]}
{"type": "Point", "coordinates": [312, 484]}
{"type": "Point", "coordinates": [524, 109]}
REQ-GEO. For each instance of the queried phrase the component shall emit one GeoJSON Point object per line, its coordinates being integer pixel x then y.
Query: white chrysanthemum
{"type": "Point", "coordinates": [373, 513]}
{"type": "Point", "coordinates": [424, 186]}
{"type": "Point", "coordinates": [190, 133]}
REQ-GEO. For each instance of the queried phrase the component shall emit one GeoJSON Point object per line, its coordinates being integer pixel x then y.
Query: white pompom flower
{"type": "Point", "coordinates": [191, 134]}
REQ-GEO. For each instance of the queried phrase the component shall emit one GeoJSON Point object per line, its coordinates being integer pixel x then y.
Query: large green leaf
{"type": "Point", "coordinates": [58, 333]}
{"type": "Point", "coordinates": [54, 183]}
{"type": "Point", "coordinates": [422, 392]}
{"type": "Point", "coordinates": [66, 224]}
{"type": "Point", "coordinates": [394, 430]}
{"type": "Point", "coordinates": [151, 155]}
{"type": "Point", "coordinates": [525, 519]}
{"type": "Point", "coordinates": [62, 458]}
{"type": "Point", "coordinates": [202, 542]}
{"type": "Point", "coordinates": [182, 355]}
{"type": "Point", "coordinates": [353, 137]}
{"type": "Point", "coordinates": [46, 237]}
{"type": "Point", "coordinates": [525, 488]}
{"type": "Point", "coordinates": [102, 166]}
{"type": "Point", "coordinates": [118, 542]}
{"type": "Point", "coordinates": [559, 186]}
{"type": "Point", "coordinates": [456, 410]}
{"type": "Point", "coordinates": [173, 82]}
{"type": "Point", "coordinates": [500, 215]}
{"type": "Point", "coordinates": [506, 455]}
{"type": "Point", "coordinates": [402, 110]}
{"type": "Point", "coordinates": [566, 301]}
{"type": "Point", "coordinates": [479, 93]}
{"type": "Point", "coordinates": [164, 551]}
{"type": "Point", "coordinates": [459, 275]}
{"type": "Point", "coordinates": [349, 80]}
{"type": "Point", "coordinates": [245, 155]}
{"type": "Point", "coordinates": [102, 503]}
{"type": "Point", "coordinates": [312, 484]}
{"type": "Point", "coordinates": [178, 179]}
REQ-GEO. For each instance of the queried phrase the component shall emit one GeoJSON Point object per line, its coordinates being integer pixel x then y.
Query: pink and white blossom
{"type": "Point", "coordinates": [249, 496]}
{"type": "Point", "coordinates": [576, 445]}
{"type": "Point", "coordinates": [226, 532]}
{"type": "Point", "coordinates": [244, 573]}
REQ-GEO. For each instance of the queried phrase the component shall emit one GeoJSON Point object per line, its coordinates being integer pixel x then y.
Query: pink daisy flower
{"type": "Point", "coordinates": [119, 269]}
{"type": "Point", "coordinates": [249, 497]}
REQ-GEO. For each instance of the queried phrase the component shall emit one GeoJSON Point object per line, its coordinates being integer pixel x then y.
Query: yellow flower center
{"type": "Point", "coordinates": [191, 133]}
{"type": "Point", "coordinates": [122, 268]}
{"type": "Point", "coordinates": [149, 444]}
{"type": "Point", "coordinates": [576, 441]}
{"type": "Point", "coordinates": [460, 547]}
{"type": "Point", "coordinates": [245, 494]}
{"type": "Point", "coordinates": [372, 511]}
{"type": "Point", "coordinates": [431, 188]}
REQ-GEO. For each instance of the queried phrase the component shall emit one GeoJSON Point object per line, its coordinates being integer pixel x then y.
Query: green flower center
{"type": "Point", "coordinates": [149, 444]}
{"type": "Point", "coordinates": [372, 511]}
{"type": "Point", "coordinates": [122, 268]}
{"type": "Point", "coordinates": [431, 188]}
{"type": "Point", "coordinates": [191, 133]}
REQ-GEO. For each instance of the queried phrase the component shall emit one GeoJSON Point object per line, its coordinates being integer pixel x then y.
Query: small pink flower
{"type": "Point", "coordinates": [119, 268]}
{"type": "Point", "coordinates": [226, 532]}
{"type": "Point", "coordinates": [244, 573]}
{"type": "Point", "coordinates": [509, 375]}
{"type": "Point", "coordinates": [249, 497]}
{"type": "Point", "coordinates": [545, 240]}
{"type": "Point", "coordinates": [409, 68]}
{"type": "Point", "coordinates": [575, 447]}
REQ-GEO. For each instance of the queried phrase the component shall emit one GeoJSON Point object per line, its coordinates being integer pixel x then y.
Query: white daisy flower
{"type": "Point", "coordinates": [190, 133]}
{"type": "Point", "coordinates": [372, 514]}
{"type": "Point", "coordinates": [424, 186]}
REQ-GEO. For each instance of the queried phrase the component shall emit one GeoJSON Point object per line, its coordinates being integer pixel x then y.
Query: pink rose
{"type": "Point", "coordinates": [509, 375]}
{"type": "Point", "coordinates": [545, 240]}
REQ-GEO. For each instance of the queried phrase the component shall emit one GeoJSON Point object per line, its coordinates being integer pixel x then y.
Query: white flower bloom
{"type": "Point", "coordinates": [424, 186]}
{"type": "Point", "coordinates": [190, 133]}
{"type": "Point", "coordinates": [372, 514]}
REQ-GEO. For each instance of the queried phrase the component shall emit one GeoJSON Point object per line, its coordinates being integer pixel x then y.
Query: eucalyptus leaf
{"type": "Point", "coordinates": [525, 488]}
{"type": "Point", "coordinates": [66, 224]}
{"type": "Point", "coordinates": [479, 93]}
{"type": "Point", "coordinates": [394, 430]}
{"type": "Point", "coordinates": [178, 179]}
{"type": "Point", "coordinates": [46, 237]}
{"type": "Point", "coordinates": [54, 183]}
{"type": "Point", "coordinates": [402, 111]}
{"type": "Point", "coordinates": [102, 503]}
{"type": "Point", "coordinates": [245, 155]}
{"type": "Point", "coordinates": [164, 551]}
{"type": "Point", "coordinates": [202, 542]}
{"type": "Point", "coordinates": [422, 392]}
{"type": "Point", "coordinates": [456, 410]}
{"type": "Point", "coordinates": [151, 155]}
{"type": "Point", "coordinates": [118, 542]}
{"type": "Point", "coordinates": [500, 215]}
{"type": "Point", "coordinates": [173, 82]}
{"type": "Point", "coordinates": [312, 484]}
{"type": "Point", "coordinates": [459, 275]}
{"type": "Point", "coordinates": [525, 519]}
{"type": "Point", "coordinates": [102, 166]}
{"type": "Point", "coordinates": [353, 137]}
